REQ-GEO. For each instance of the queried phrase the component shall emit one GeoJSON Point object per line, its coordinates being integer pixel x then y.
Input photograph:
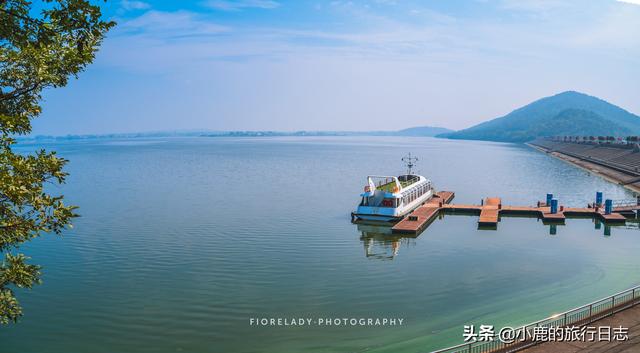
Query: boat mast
{"type": "Point", "coordinates": [410, 162]}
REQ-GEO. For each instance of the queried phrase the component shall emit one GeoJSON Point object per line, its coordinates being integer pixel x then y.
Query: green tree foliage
{"type": "Point", "coordinates": [42, 45]}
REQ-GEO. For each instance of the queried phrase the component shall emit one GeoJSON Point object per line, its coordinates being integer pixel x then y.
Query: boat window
{"type": "Point", "coordinates": [387, 203]}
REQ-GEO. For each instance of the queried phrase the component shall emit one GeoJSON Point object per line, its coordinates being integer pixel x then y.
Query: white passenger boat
{"type": "Point", "coordinates": [390, 198]}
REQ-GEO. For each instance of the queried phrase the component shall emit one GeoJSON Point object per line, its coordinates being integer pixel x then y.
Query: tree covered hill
{"type": "Point", "coordinates": [567, 113]}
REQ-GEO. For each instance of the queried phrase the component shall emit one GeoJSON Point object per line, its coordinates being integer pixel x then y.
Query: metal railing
{"type": "Point", "coordinates": [409, 181]}
{"type": "Point", "coordinates": [580, 316]}
{"type": "Point", "coordinates": [626, 203]}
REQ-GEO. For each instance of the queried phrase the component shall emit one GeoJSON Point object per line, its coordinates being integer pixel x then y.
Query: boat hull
{"type": "Point", "coordinates": [370, 217]}
{"type": "Point", "coordinates": [388, 214]}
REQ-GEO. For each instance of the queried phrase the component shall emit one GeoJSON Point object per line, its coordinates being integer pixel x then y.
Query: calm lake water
{"type": "Point", "coordinates": [183, 240]}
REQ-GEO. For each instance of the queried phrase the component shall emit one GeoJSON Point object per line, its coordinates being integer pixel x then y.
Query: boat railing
{"type": "Point", "coordinates": [384, 182]}
{"type": "Point", "coordinates": [409, 181]}
{"type": "Point", "coordinates": [578, 317]}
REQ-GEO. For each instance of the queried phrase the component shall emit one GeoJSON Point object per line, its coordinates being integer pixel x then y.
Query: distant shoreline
{"type": "Point", "coordinates": [415, 132]}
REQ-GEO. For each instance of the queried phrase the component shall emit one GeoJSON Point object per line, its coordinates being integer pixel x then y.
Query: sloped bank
{"type": "Point", "coordinates": [614, 162]}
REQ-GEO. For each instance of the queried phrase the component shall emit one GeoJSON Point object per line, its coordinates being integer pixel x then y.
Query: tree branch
{"type": "Point", "coordinates": [24, 18]}
{"type": "Point", "coordinates": [18, 92]}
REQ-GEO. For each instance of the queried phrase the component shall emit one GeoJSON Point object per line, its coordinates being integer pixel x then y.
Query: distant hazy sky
{"type": "Point", "coordinates": [344, 65]}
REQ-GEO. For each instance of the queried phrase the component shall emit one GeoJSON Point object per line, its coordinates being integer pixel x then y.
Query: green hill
{"type": "Point", "coordinates": [567, 113]}
{"type": "Point", "coordinates": [577, 122]}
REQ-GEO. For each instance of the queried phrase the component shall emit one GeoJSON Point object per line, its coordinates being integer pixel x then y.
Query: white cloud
{"type": "Point", "coordinates": [437, 38]}
{"type": "Point", "coordinates": [617, 28]}
{"type": "Point", "coordinates": [534, 5]}
{"type": "Point", "coordinates": [134, 5]}
{"type": "Point", "coordinates": [170, 25]}
{"type": "Point", "coordinates": [441, 59]}
{"type": "Point", "coordinates": [235, 5]}
{"type": "Point", "coordinates": [634, 2]}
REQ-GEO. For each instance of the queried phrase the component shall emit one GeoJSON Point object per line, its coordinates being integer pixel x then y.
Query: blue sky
{"type": "Point", "coordinates": [344, 65]}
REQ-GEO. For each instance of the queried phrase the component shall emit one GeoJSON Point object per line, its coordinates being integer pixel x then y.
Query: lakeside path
{"type": "Point", "coordinates": [629, 318]}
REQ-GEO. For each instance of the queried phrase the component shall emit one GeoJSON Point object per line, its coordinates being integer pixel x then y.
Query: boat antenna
{"type": "Point", "coordinates": [410, 161]}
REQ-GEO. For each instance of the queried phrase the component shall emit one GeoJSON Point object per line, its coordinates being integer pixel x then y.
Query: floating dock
{"type": "Point", "coordinates": [489, 214]}
{"type": "Point", "coordinates": [492, 208]}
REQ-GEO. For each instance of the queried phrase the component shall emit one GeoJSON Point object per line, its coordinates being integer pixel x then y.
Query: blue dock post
{"type": "Point", "coordinates": [554, 206]}
{"type": "Point", "coordinates": [608, 206]}
{"type": "Point", "coordinates": [599, 198]}
{"type": "Point", "coordinates": [549, 197]}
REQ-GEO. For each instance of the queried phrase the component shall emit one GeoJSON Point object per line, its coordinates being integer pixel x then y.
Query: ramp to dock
{"type": "Point", "coordinates": [420, 218]}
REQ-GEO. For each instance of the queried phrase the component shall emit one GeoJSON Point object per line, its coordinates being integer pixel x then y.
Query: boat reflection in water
{"type": "Point", "coordinates": [379, 243]}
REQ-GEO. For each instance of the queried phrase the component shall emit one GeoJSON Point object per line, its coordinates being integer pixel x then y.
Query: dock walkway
{"type": "Point", "coordinates": [491, 209]}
